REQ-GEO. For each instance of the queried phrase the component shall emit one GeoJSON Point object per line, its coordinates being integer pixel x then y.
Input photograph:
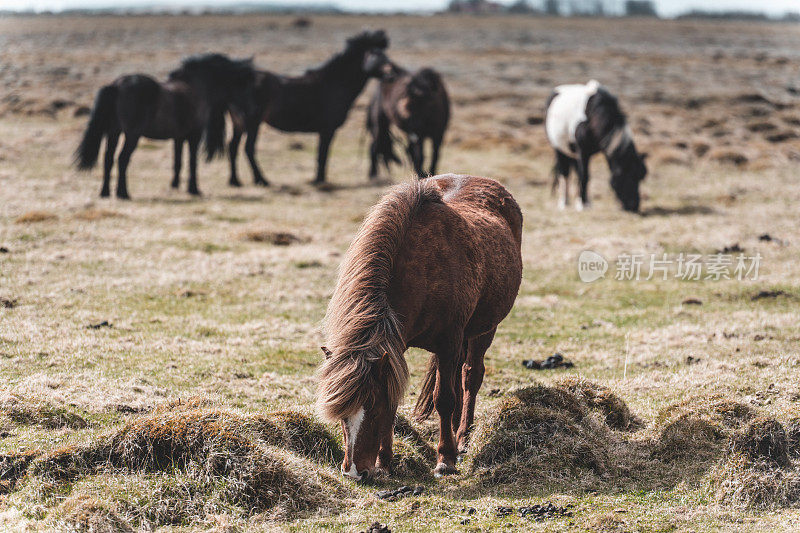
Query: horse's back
{"type": "Point", "coordinates": [460, 266]}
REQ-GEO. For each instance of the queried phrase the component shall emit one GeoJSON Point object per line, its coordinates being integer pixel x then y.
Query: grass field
{"type": "Point", "coordinates": [120, 316]}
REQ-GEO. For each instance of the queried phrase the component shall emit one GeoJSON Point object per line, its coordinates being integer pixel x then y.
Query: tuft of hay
{"type": "Point", "coordinates": [541, 434]}
{"type": "Point", "coordinates": [727, 156]}
{"type": "Point", "coordinates": [216, 447]}
{"type": "Point", "coordinates": [14, 409]}
{"type": "Point", "coordinates": [404, 429]}
{"type": "Point", "coordinates": [670, 156]}
{"type": "Point", "coordinates": [13, 466]}
{"type": "Point", "coordinates": [92, 213]}
{"type": "Point", "coordinates": [764, 440]}
{"type": "Point", "coordinates": [35, 216]}
{"type": "Point", "coordinates": [607, 523]}
{"type": "Point", "coordinates": [760, 485]}
{"type": "Point", "coordinates": [616, 412]}
{"type": "Point", "coordinates": [409, 461]}
{"type": "Point", "coordinates": [297, 432]}
{"type": "Point", "coordinates": [698, 428]}
{"type": "Point", "coordinates": [793, 439]}
{"type": "Point", "coordinates": [83, 513]}
{"type": "Point", "coordinates": [278, 238]}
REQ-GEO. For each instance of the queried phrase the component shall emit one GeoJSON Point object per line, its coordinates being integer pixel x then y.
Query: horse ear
{"type": "Point", "coordinates": [327, 352]}
{"type": "Point", "coordinates": [382, 362]}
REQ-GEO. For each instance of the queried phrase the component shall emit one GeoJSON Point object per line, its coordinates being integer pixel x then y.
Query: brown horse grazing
{"type": "Point", "coordinates": [418, 105]}
{"type": "Point", "coordinates": [182, 108]}
{"type": "Point", "coordinates": [316, 102]}
{"type": "Point", "coordinates": [435, 265]}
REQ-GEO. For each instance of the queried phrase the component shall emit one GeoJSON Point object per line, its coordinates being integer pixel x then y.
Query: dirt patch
{"type": "Point", "coordinates": [32, 217]}
{"type": "Point", "coordinates": [92, 214]}
{"type": "Point", "coordinates": [278, 238]}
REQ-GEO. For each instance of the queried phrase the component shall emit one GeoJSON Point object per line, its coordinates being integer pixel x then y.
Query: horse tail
{"type": "Point", "coordinates": [101, 120]}
{"type": "Point", "coordinates": [362, 328]}
{"type": "Point", "coordinates": [425, 400]}
{"type": "Point", "coordinates": [215, 133]}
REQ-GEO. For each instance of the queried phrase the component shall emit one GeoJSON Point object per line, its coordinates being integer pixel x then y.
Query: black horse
{"type": "Point", "coordinates": [583, 120]}
{"type": "Point", "coordinates": [181, 108]}
{"type": "Point", "coordinates": [418, 105]}
{"type": "Point", "coordinates": [316, 102]}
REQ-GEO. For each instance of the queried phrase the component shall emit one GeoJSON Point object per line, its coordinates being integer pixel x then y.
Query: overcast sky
{"type": "Point", "coordinates": [665, 7]}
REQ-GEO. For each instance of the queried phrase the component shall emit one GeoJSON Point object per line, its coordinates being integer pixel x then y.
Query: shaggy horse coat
{"type": "Point", "coordinates": [418, 105]}
{"type": "Point", "coordinates": [316, 102]}
{"type": "Point", "coordinates": [581, 121]}
{"type": "Point", "coordinates": [436, 265]}
{"type": "Point", "coordinates": [180, 109]}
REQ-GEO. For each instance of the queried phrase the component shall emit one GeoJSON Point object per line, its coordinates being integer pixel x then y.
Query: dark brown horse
{"type": "Point", "coordinates": [418, 105]}
{"type": "Point", "coordinates": [435, 265]}
{"type": "Point", "coordinates": [316, 102]}
{"type": "Point", "coordinates": [182, 109]}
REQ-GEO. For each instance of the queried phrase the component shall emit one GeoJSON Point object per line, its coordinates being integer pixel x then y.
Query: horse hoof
{"type": "Point", "coordinates": [443, 469]}
{"type": "Point", "coordinates": [123, 196]}
{"type": "Point", "coordinates": [196, 192]}
{"type": "Point", "coordinates": [262, 183]}
{"type": "Point", "coordinates": [235, 183]}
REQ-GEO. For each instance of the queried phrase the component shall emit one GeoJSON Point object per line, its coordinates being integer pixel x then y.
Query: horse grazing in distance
{"type": "Point", "coordinates": [182, 108]}
{"type": "Point", "coordinates": [316, 102]}
{"type": "Point", "coordinates": [581, 121]}
{"type": "Point", "coordinates": [436, 265]}
{"type": "Point", "coordinates": [415, 103]}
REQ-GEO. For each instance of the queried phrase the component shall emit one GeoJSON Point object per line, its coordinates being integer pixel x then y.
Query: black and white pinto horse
{"type": "Point", "coordinates": [583, 120]}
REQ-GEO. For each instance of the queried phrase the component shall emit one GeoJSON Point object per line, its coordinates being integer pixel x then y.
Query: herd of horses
{"type": "Point", "coordinates": [437, 262]}
{"type": "Point", "coordinates": [191, 105]}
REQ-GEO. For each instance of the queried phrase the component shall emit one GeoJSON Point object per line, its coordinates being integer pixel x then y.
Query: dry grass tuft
{"type": "Point", "coordinates": [742, 482]}
{"type": "Point", "coordinates": [278, 238]}
{"type": "Point", "coordinates": [83, 513]}
{"type": "Point", "coordinates": [12, 467]}
{"type": "Point", "coordinates": [616, 412]}
{"type": "Point", "coordinates": [764, 440]}
{"type": "Point", "coordinates": [91, 214]}
{"type": "Point", "coordinates": [14, 409]}
{"type": "Point", "coordinates": [728, 156]}
{"type": "Point", "coordinates": [698, 428]}
{"type": "Point", "coordinates": [217, 447]}
{"type": "Point", "coordinates": [541, 434]}
{"type": "Point", "coordinates": [607, 523]}
{"type": "Point", "coordinates": [35, 216]}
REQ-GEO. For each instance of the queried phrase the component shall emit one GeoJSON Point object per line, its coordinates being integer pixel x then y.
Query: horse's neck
{"type": "Point", "coordinates": [344, 73]}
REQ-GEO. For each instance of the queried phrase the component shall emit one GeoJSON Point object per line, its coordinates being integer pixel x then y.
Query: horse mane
{"type": "Point", "coordinates": [603, 108]}
{"type": "Point", "coordinates": [355, 45]}
{"type": "Point", "coordinates": [363, 332]}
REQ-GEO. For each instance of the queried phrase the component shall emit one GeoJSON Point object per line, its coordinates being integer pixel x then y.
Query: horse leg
{"type": "Point", "coordinates": [437, 144]}
{"type": "Point", "coordinates": [177, 163]}
{"type": "Point", "coordinates": [472, 378]}
{"type": "Point", "coordinates": [233, 149]}
{"type": "Point", "coordinates": [415, 153]}
{"type": "Point", "coordinates": [445, 399]}
{"type": "Point", "coordinates": [373, 158]}
{"type": "Point", "coordinates": [194, 145]}
{"type": "Point", "coordinates": [384, 462]}
{"type": "Point", "coordinates": [131, 140]}
{"type": "Point", "coordinates": [563, 165]}
{"type": "Point", "coordinates": [250, 150]}
{"type": "Point", "coordinates": [325, 139]}
{"type": "Point", "coordinates": [108, 163]}
{"type": "Point", "coordinates": [583, 179]}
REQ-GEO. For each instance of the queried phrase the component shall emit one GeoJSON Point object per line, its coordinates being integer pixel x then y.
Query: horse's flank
{"type": "Point", "coordinates": [363, 333]}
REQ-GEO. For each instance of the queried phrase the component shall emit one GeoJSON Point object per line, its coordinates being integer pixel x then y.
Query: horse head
{"type": "Point", "coordinates": [371, 48]}
{"type": "Point", "coordinates": [357, 392]}
{"type": "Point", "coordinates": [628, 169]}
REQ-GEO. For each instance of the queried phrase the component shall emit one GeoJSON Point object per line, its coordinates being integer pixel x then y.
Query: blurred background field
{"type": "Point", "coordinates": [111, 310]}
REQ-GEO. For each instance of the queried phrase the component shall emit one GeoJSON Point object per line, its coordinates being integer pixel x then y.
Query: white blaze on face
{"type": "Point", "coordinates": [353, 425]}
{"type": "Point", "coordinates": [566, 112]}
